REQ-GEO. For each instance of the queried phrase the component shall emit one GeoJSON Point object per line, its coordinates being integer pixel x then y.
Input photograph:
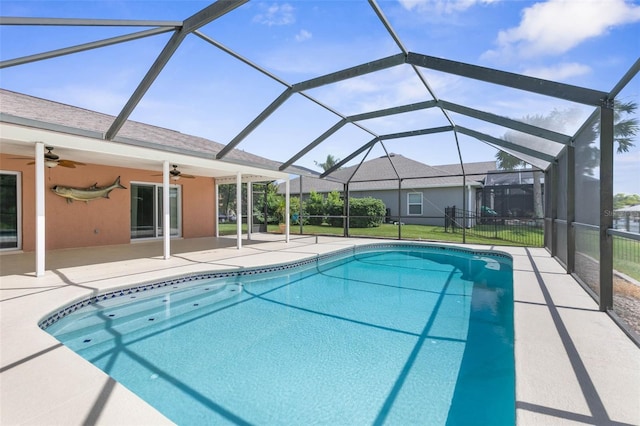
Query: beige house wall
{"type": "Point", "coordinates": [104, 221]}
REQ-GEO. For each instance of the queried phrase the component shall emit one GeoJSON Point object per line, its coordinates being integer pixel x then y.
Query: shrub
{"type": "Point", "coordinates": [315, 206]}
{"type": "Point", "coordinates": [294, 210]}
{"type": "Point", "coordinates": [273, 203]}
{"type": "Point", "coordinates": [371, 209]}
{"type": "Point", "coordinates": [334, 207]}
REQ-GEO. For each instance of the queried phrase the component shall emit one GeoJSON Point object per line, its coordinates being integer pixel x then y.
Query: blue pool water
{"type": "Point", "coordinates": [407, 335]}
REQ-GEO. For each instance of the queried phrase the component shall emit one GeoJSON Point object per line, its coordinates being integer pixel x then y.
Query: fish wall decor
{"type": "Point", "coordinates": [86, 194]}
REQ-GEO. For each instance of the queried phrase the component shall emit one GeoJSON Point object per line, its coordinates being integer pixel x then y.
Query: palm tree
{"type": "Point", "coordinates": [625, 128]}
{"type": "Point", "coordinates": [328, 163]}
{"type": "Point", "coordinates": [506, 161]}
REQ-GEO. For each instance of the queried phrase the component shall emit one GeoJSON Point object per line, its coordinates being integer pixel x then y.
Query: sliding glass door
{"type": "Point", "coordinates": [10, 232]}
{"type": "Point", "coordinates": [146, 210]}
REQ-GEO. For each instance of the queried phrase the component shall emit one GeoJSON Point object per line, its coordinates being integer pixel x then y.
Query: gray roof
{"type": "Point", "coordinates": [379, 174]}
{"type": "Point", "coordinates": [635, 208]}
{"type": "Point", "coordinates": [38, 112]}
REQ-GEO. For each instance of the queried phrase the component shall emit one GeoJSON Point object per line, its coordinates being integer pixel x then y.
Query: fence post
{"type": "Point", "coordinates": [454, 217]}
{"type": "Point", "coordinates": [447, 212]}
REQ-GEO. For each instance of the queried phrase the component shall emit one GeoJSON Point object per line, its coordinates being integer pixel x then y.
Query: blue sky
{"type": "Point", "coordinates": [205, 92]}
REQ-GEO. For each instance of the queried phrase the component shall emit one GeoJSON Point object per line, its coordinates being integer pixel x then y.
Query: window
{"type": "Point", "coordinates": [414, 201]}
{"type": "Point", "coordinates": [10, 205]}
{"type": "Point", "coordinates": [146, 210]}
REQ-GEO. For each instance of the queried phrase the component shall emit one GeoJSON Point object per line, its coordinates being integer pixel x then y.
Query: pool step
{"type": "Point", "coordinates": [122, 318]}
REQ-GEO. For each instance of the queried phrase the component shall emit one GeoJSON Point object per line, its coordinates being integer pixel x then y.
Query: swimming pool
{"type": "Point", "coordinates": [383, 334]}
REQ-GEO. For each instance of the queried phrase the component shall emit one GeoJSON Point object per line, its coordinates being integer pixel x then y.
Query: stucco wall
{"type": "Point", "coordinates": [102, 221]}
{"type": "Point", "coordinates": [198, 207]}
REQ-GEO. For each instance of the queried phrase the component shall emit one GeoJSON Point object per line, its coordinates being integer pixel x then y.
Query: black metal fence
{"type": "Point", "coordinates": [504, 229]}
{"type": "Point", "coordinates": [454, 227]}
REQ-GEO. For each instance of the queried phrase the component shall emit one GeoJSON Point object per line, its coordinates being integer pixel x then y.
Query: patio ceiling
{"type": "Point", "coordinates": [537, 145]}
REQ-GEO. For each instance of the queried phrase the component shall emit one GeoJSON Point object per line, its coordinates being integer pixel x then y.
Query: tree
{"type": "Point", "coordinates": [328, 163]}
{"type": "Point", "coordinates": [274, 201]}
{"type": "Point", "coordinates": [508, 162]}
{"type": "Point", "coordinates": [625, 128]}
{"type": "Point", "coordinates": [315, 207]}
{"type": "Point", "coordinates": [281, 209]}
{"type": "Point", "coordinates": [625, 200]}
{"type": "Point", "coordinates": [334, 208]}
{"type": "Point", "coordinates": [227, 202]}
{"type": "Point", "coordinates": [625, 125]}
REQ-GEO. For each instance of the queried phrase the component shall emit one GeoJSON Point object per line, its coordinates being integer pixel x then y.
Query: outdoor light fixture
{"type": "Point", "coordinates": [50, 159]}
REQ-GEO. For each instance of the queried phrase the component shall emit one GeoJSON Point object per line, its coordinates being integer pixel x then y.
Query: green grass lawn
{"type": "Point", "coordinates": [625, 254]}
{"type": "Point", "coordinates": [532, 238]}
{"type": "Point", "coordinates": [627, 267]}
{"type": "Point", "coordinates": [230, 228]}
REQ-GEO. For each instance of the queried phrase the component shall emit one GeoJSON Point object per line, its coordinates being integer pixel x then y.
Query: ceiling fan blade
{"type": "Point", "coordinates": [173, 175]}
{"type": "Point", "coordinates": [69, 163]}
{"type": "Point", "coordinates": [66, 164]}
{"type": "Point", "coordinates": [180, 175]}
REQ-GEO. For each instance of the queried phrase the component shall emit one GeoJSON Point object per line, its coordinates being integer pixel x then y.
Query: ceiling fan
{"type": "Point", "coordinates": [52, 160]}
{"type": "Point", "coordinates": [177, 174]}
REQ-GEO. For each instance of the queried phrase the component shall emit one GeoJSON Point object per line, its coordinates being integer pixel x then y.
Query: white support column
{"type": "Point", "coordinates": [40, 210]}
{"type": "Point", "coordinates": [249, 209]}
{"type": "Point", "coordinates": [216, 210]}
{"type": "Point", "coordinates": [166, 211]}
{"type": "Point", "coordinates": [287, 186]}
{"type": "Point", "coordinates": [239, 209]}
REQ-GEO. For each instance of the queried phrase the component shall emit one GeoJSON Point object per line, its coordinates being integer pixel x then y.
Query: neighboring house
{"type": "Point", "coordinates": [425, 191]}
{"type": "Point", "coordinates": [509, 194]}
{"type": "Point", "coordinates": [141, 155]}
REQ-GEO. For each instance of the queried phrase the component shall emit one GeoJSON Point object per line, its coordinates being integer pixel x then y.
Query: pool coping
{"type": "Point", "coordinates": [572, 362]}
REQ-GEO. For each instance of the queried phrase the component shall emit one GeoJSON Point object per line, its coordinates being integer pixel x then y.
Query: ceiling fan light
{"type": "Point", "coordinates": [50, 164]}
{"type": "Point", "coordinates": [175, 177]}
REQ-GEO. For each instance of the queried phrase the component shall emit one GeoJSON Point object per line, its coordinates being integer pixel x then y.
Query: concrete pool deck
{"type": "Point", "coordinates": [573, 363]}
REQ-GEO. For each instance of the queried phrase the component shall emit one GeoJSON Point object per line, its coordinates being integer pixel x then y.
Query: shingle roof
{"type": "Point", "coordinates": [71, 117]}
{"type": "Point", "coordinates": [379, 174]}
